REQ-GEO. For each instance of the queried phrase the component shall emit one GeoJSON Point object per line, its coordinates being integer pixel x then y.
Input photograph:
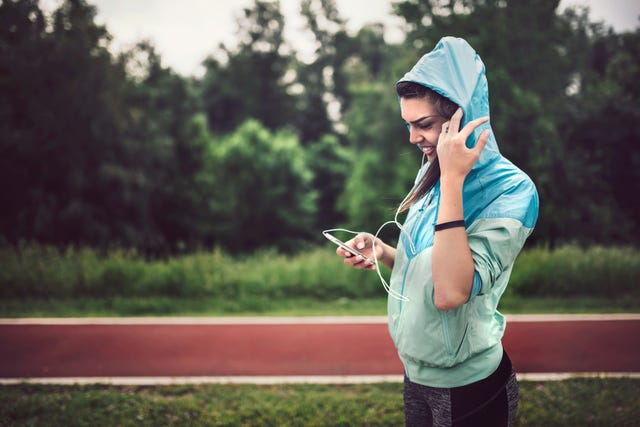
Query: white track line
{"type": "Point", "coordinates": [269, 380]}
{"type": "Point", "coordinates": [268, 320]}
{"type": "Point", "coordinates": [239, 320]}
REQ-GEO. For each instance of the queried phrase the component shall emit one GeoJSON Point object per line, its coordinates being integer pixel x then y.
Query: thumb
{"type": "Point", "coordinates": [362, 240]}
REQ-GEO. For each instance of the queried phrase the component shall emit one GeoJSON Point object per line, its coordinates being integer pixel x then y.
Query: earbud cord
{"type": "Point", "coordinates": [374, 238]}
{"type": "Point", "coordinates": [395, 221]}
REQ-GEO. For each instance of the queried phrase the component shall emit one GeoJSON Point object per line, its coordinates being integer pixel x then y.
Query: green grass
{"type": "Point", "coordinates": [256, 306]}
{"type": "Point", "coordinates": [575, 402]}
{"type": "Point", "coordinates": [166, 306]}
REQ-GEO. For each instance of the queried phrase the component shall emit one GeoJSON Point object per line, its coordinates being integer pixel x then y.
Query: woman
{"type": "Point", "coordinates": [470, 212]}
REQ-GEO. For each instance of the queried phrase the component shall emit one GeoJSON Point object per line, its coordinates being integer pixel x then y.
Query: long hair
{"type": "Point", "coordinates": [445, 109]}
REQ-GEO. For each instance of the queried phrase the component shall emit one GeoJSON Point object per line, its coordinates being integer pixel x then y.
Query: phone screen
{"type": "Point", "coordinates": [344, 245]}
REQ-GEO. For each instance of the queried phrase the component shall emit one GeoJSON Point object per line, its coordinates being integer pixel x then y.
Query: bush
{"type": "Point", "coordinates": [32, 271]}
{"type": "Point", "coordinates": [573, 271]}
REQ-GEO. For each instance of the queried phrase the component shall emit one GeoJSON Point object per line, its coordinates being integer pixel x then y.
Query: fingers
{"type": "Point", "coordinates": [362, 242]}
{"type": "Point", "coordinates": [454, 124]}
{"type": "Point", "coordinates": [482, 142]}
{"type": "Point", "coordinates": [450, 131]}
{"type": "Point", "coordinates": [452, 127]}
{"type": "Point", "coordinates": [358, 262]}
{"type": "Point", "coordinates": [471, 126]}
{"type": "Point", "coordinates": [444, 130]}
{"type": "Point", "coordinates": [454, 156]}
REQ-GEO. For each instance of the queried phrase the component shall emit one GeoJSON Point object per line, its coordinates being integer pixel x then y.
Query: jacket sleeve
{"type": "Point", "coordinates": [495, 243]}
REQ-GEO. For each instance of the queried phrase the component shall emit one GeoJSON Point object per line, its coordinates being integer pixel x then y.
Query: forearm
{"type": "Point", "coordinates": [388, 256]}
{"type": "Point", "coordinates": [453, 266]}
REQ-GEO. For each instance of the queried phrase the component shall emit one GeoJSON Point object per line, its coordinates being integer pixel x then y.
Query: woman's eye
{"type": "Point", "coordinates": [424, 126]}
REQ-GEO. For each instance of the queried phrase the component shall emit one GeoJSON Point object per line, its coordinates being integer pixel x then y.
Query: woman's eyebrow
{"type": "Point", "coordinates": [418, 120]}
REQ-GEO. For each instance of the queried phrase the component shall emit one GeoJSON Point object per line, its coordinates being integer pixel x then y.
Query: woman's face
{"type": "Point", "coordinates": [424, 124]}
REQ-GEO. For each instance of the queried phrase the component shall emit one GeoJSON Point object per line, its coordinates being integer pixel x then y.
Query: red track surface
{"type": "Point", "coordinates": [110, 350]}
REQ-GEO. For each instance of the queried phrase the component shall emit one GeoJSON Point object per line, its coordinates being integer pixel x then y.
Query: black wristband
{"type": "Point", "coordinates": [450, 224]}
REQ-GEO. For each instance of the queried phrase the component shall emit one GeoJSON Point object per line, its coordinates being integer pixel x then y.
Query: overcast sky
{"type": "Point", "coordinates": [185, 32]}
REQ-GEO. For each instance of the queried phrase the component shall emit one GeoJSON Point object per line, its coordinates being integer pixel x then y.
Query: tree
{"type": "Point", "coordinates": [601, 134]}
{"type": "Point", "coordinates": [250, 81]}
{"type": "Point", "coordinates": [325, 94]}
{"type": "Point", "coordinates": [22, 38]}
{"type": "Point", "coordinates": [61, 120]}
{"type": "Point", "coordinates": [94, 156]}
{"type": "Point", "coordinates": [261, 189]}
{"type": "Point", "coordinates": [165, 144]}
{"type": "Point", "coordinates": [330, 164]}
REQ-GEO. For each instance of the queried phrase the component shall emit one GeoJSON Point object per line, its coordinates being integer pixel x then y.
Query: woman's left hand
{"type": "Point", "coordinates": [456, 160]}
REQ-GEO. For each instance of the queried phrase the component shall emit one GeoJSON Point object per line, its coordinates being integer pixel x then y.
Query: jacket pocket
{"type": "Point", "coordinates": [455, 328]}
{"type": "Point", "coordinates": [453, 337]}
{"type": "Point", "coordinates": [433, 338]}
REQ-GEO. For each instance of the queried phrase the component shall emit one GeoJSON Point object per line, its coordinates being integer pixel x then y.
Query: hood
{"type": "Point", "coordinates": [495, 187]}
{"type": "Point", "coordinates": [454, 70]}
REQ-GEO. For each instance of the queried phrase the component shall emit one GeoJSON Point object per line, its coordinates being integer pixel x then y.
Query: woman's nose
{"type": "Point", "coordinates": [414, 135]}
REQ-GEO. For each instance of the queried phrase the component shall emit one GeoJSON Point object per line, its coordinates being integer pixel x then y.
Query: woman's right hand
{"type": "Point", "coordinates": [363, 243]}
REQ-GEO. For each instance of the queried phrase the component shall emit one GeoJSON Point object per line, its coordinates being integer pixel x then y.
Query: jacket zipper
{"type": "Point", "coordinates": [412, 235]}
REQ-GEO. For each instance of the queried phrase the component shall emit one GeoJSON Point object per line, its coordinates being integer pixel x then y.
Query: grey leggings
{"type": "Point", "coordinates": [489, 402]}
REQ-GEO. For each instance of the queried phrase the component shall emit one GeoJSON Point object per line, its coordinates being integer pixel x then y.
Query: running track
{"type": "Point", "coordinates": [228, 348]}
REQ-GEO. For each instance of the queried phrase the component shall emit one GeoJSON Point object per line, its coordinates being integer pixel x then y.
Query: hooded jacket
{"type": "Point", "coordinates": [461, 346]}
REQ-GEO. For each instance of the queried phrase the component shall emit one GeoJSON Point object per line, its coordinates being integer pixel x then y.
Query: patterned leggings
{"type": "Point", "coordinates": [489, 402]}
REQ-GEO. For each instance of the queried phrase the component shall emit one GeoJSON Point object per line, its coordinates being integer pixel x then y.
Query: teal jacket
{"type": "Point", "coordinates": [457, 347]}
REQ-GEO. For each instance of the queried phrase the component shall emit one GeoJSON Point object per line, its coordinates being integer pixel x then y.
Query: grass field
{"type": "Point", "coordinates": [262, 306]}
{"type": "Point", "coordinates": [575, 402]}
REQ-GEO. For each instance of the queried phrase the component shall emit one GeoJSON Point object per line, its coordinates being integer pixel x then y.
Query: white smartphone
{"type": "Point", "coordinates": [344, 246]}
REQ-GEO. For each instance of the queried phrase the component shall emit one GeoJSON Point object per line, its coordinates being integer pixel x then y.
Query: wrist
{"type": "Point", "coordinates": [387, 255]}
{"type": "Point", "coordinates": [383, 249]}
{"type": "Point", "coordinates": [451, 181]}
{"type": "Point", "coordinates": [451, 203]}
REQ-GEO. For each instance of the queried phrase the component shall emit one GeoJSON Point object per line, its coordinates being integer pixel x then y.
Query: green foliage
{"type": "Point", "coordinates": [366, 210]}
{"type": "Point", "coordinates": [60, 127]}
{"type": "Point", "coordinates": [164, 145]}
{"type": "Point", "coordinates": [262, 193]}
{"type": "Point", "coordinates": [39, 272]}
{"type": "Point", "coordinates": [102, 151]}
{"type": "Point", "coordinates": [574, 271]}
{"type": "Point", "coordinates": [44, 272]}
{"type": "Point", "coordinates": [249, 82]}
{"type": "Point", "coordinates": [90, 154]}
{"type": "Point", "coordinates": [608, 89]}
{"type": "Point", "coordinates": [330, 164]}
{"type": "Point", "coordinates": [574, 402]}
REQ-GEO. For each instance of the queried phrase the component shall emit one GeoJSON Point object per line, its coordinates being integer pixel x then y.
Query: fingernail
{"type": "Point", "coordinates": [360, 245]}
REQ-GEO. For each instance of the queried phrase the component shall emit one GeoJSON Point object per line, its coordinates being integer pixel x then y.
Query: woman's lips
{"type": "Point", "coordinates": [428, 149]}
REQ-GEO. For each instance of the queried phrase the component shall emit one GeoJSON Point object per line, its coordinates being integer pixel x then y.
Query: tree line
{"type": "Point", "coordinates": [266, 149]}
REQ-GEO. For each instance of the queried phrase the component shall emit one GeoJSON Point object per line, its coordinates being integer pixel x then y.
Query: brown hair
{"type": "Point", "coordinates": [445, 109]}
